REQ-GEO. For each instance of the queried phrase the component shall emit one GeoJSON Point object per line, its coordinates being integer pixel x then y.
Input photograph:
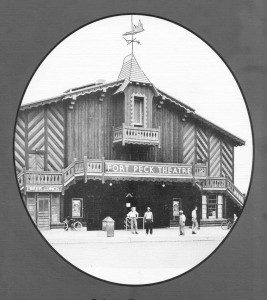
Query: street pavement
{"type": "Point", "coordinates": [135, 258]}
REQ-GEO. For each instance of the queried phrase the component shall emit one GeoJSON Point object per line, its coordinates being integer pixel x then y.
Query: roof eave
{"type": "Point", "coordinates": [237, 141]}
{"type": "Point", "coordinates": [71, 95]}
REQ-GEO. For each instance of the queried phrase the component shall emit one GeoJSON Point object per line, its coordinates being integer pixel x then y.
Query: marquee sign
{"type": "Point", "coordinates": [139, 169]}
{"type": "Point", "coordinates": [54, 182]}
{"type": "Point", "coordinates": [43, 188]}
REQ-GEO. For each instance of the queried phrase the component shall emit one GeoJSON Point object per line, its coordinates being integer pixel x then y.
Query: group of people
{"type": "Point", "coordinates": [182, 219]}
{"type": "Point", "coordinates": [148, 219]}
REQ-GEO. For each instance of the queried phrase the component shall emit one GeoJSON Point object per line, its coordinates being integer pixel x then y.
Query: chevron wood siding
{"type": "Point", "coordinates": [36, 161]}
{"type": "Point", "coordinates": [227, 160]}
{"type": "Point", "coordinates": [55, 137]}
{"type": "Point", "coordinates": [189, 143]}
{"type": "Point", "coordinates": [39, 138]}
{"type": "Point", "coordinates": [19, 143]}
{"type": "Point", "coordinates": [202, 144]}
{"type": "Point", "coordinates": [36, 130]}
{"type": "Point", "coordinates": [215, 157]}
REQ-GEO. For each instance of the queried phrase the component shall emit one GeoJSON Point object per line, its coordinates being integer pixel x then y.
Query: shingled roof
{"type": "Point", "coordinates": [131, 70]}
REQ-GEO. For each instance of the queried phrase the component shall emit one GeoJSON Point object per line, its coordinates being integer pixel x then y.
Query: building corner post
{"type": "Point", "coordinates": [103, 169]}
{"type": "Point", "coordinates": [24, 181]}
{"type": "Point", "coordinates": [123, 134]}
{"type": "Point", "coordinates": [74, 171]}
{"type": "Point", "coordinates": [85, 168]}
{"type": "Point", "coordinates": [63, 182]}
{"type": "Point", "coordinates": [220, 206]}
{"type": "Point", "coordinates": [159, 137]}
{"type": "Point", "coordinates": [204, 206]}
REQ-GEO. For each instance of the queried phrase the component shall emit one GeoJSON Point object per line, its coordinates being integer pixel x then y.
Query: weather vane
{"type": "Point", "coordinates": [135, 29]}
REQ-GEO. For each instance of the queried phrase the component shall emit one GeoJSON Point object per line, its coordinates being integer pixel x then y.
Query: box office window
{"type": "Point", "coordinates": [138, 111]}
{"type": "Point", "coordinates": [212, 206]}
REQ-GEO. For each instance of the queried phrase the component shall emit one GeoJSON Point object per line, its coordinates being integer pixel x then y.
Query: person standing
{"type": "Point", "coordinates": [182, 219]}
{"type": "Point", "coordinates": [194, 220]}
{"type": "Point", "coordinates": [148, 216]}
{"type": "Point", "coordinates": [235, 218]}
{"type": "Point", "coordinates": [133, 215]}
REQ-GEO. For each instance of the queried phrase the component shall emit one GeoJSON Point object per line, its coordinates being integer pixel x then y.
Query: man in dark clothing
{"type": "Point", "coordinates": [148, 216]}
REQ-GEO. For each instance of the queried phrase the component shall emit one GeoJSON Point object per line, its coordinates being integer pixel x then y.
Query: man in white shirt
{"type": "Point", "coordinates": [182, 219]}
{"type": "Point", "coordinates": [194, 220]}
{"type": "Point", "coordinates": [148, 216]}
{"type": "Point", "coordinates": [133, 215]}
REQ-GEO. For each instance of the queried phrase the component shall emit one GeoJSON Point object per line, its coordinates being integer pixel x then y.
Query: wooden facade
{"type": "Point", "coordinates": [98, 123]}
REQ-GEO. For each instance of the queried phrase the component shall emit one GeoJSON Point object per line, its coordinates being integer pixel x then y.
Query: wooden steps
{"type": "Point", "coordinates": [210, 222]}
{"type": "Point", "coordinates": [174, 223]}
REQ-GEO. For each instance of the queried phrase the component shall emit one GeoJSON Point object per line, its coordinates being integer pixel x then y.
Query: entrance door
{"type": "Point", "coordinates": [43, 214]}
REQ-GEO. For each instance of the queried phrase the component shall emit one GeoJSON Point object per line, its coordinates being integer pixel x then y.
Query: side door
{"type": "Point", "coordinates": [43, 213]}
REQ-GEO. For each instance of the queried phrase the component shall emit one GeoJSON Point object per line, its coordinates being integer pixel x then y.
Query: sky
{"type": "Point", "coordinates": [175, 60]}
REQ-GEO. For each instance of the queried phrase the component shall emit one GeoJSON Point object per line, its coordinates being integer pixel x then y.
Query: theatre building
{"type": "Point", "coordinates": [96, 150]}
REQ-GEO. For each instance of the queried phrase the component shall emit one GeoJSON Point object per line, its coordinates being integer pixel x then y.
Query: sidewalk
{"type": "Point", "coordinates": [59, 236]}
{"type": "Point", "coordinates": [135, 258]}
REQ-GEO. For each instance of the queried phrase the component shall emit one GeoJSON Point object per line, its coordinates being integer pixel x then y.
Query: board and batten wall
{"type": "Point", "coordinates": [87, 130]}
{"type": "Point", "coordinates": [90, 124]}
{"type": "Point", "coordinates": [191, 141]}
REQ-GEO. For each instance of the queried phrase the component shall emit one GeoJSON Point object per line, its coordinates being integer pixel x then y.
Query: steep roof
{"type": "Point", "coordinates": [131, 70]}
{"type": "Point", "coordinates": [130, 73]}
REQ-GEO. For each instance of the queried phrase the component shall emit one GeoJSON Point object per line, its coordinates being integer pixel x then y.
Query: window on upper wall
{"type": "Point", "coordinates": [138, 113]}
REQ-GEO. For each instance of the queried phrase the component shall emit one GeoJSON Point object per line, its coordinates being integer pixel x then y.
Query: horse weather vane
{"type": "Point", "coordinates": [135, 29]}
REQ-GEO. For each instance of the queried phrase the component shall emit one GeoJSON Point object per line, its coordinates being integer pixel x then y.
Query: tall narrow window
{"type": "Point", "coordinates": [138, 111]}
{"type": "Point", "coordinates": [212, 206]}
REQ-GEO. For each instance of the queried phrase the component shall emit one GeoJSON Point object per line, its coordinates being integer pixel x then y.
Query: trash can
{"type": "Point", "coordinates": [108, 225]}
{"type": "Point", "coordinates": [104, 224]}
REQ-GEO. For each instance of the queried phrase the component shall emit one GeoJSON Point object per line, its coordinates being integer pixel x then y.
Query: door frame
{"type": "Point", "coordinates": [48, 198]}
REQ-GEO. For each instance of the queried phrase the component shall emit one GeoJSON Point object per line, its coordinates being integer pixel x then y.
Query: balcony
{"type": "Point", "coordinates": [101, 169]}
{"type": "Point", "coordinates": [136, 135]}
{"type": "Point", "coordinates": [224, 184]}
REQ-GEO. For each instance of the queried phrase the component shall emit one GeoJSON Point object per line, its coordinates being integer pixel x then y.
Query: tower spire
{"type": "Point", "coordinates": [134, 30]}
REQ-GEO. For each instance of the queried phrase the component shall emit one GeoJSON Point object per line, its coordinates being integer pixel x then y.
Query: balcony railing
{"type": "Point", "coordinates": [49, 181]}
{"type": "Point", "coordinates": [136, 135]}
{"type": "Point", "coordinates": [235, 191]}
{"type": "Point", "coordinates": [43, 178]}
{"type": "Point", "coordinates": [101, 168]}
{"type": "Point", "coordinates": [224, 184]}
{"type": "Point", "coordinates": [215, 183]}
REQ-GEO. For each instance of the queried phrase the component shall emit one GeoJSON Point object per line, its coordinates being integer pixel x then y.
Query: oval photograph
{"type": "Point", "coordinates": [133, 149]}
